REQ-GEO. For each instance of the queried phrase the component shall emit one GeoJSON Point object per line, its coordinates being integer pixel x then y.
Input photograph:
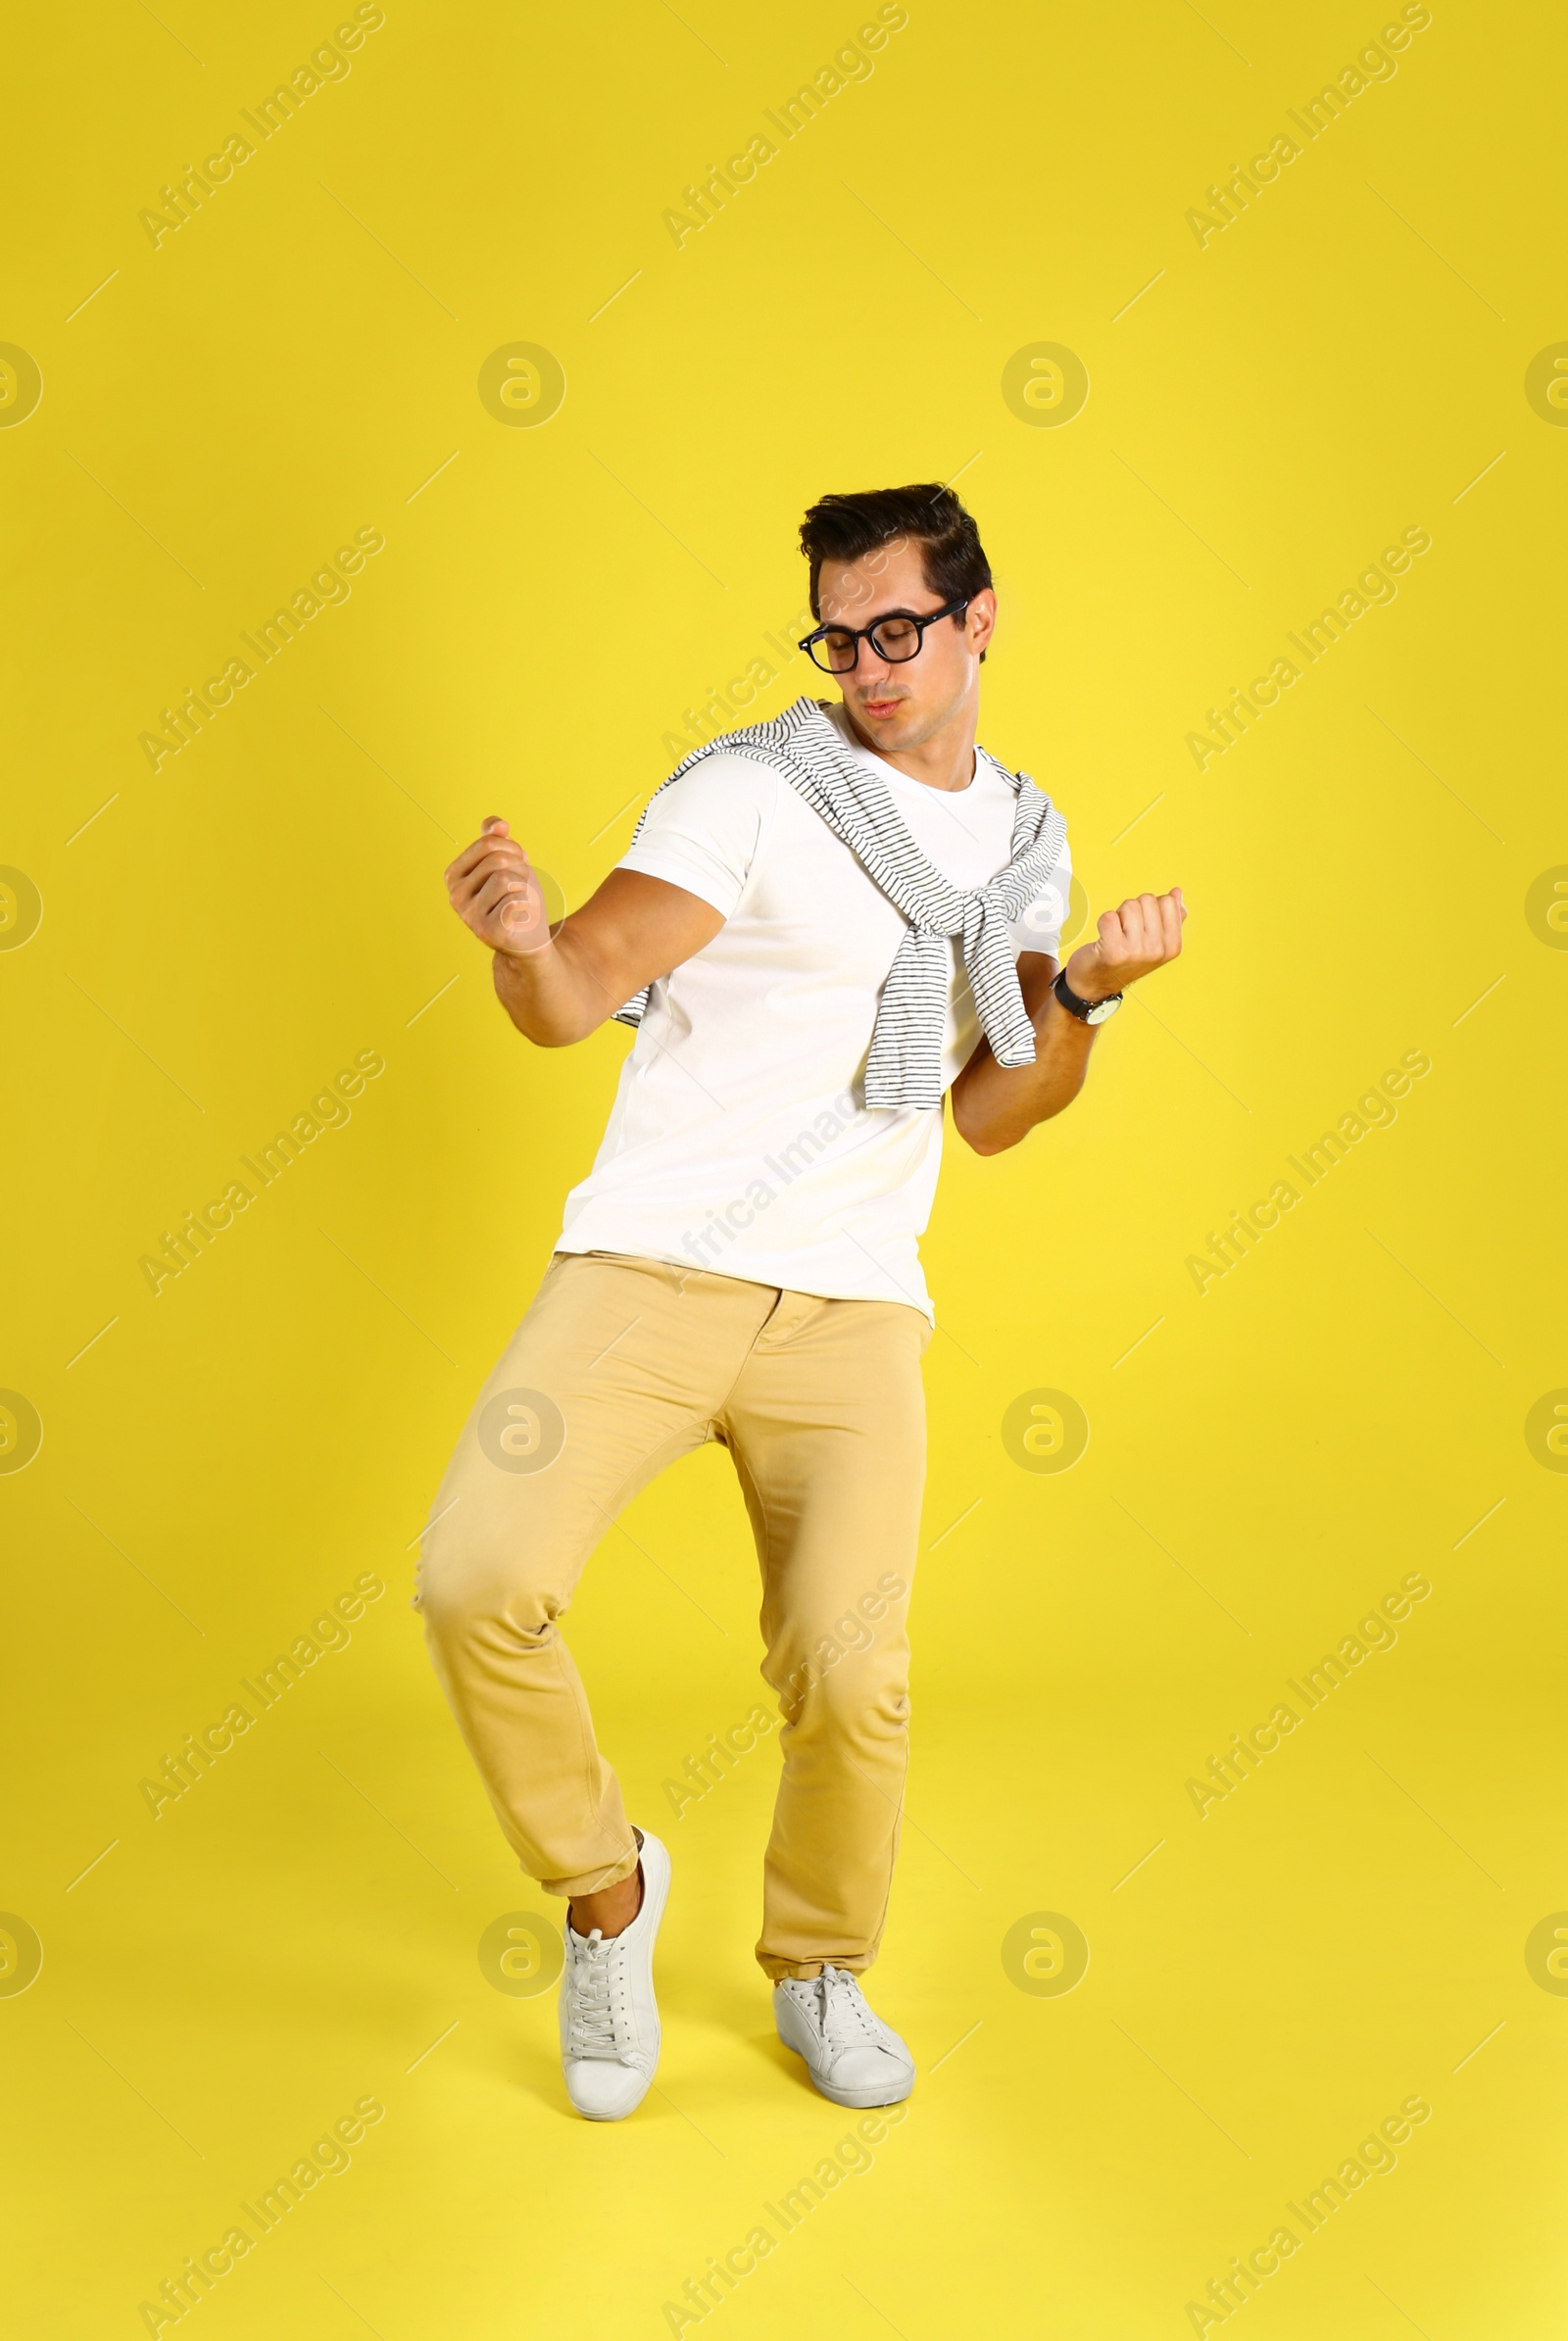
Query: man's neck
{"type": "Point", "coordinates": [945, 761]}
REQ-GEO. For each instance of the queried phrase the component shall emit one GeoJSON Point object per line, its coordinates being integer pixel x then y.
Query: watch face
{"type": "Point", "coordinates": [1103, 1009]}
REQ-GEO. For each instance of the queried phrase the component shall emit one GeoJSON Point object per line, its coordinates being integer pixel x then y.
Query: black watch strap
{"type": "Point", "coordinates": [1087, 1011]}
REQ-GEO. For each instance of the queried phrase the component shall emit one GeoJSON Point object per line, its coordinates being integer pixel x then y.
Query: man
{"type": "Point", "coordinates": [824, 925]}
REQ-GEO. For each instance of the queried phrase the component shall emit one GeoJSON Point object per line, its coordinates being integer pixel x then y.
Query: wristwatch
{"type": "Point", "coordinates": [1087, 1011]}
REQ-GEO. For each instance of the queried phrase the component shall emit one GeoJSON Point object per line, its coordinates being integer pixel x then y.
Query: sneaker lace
{"type": "Point", "coordinates": [847, 2021]}
{"type": "Point", "coordinates": [599, 2017]}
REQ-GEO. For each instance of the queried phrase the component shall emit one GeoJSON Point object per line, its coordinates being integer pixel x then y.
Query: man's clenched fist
{"type": "Point", "coordinates": [1143, 935]}
{"type": "Point", "coordinates": [495, 893]}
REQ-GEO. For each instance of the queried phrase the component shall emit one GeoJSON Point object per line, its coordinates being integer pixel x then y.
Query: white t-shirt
{"type": "Point", "coordinates": [737, 1141]}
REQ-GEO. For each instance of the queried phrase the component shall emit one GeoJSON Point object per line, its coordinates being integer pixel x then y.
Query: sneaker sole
{"type": "Point", "coordinates": [627, 2111]}
{"type": "Point", "coordinates": [856, 2100]}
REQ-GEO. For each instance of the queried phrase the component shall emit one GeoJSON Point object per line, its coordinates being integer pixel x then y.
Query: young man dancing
{"type": "Point", "coordinates": [824, 925]}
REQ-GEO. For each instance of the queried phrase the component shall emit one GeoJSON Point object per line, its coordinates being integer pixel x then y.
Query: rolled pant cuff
{"type": "Point", "coordinates": [778, 1970]}
{"type": "Point", "coordinates": [593, 1882]}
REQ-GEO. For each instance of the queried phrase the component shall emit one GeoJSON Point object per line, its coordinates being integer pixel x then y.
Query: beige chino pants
{"type": "Point", "coordinates": [620, 1366]}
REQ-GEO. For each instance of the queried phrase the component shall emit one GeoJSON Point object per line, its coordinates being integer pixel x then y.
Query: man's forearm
{"type": "Point", "coordinates": [552, 995]}
{"type": "Point", "coordinates": [631, 929]}
{"type": "Point", "coordinates": [995, 1105]}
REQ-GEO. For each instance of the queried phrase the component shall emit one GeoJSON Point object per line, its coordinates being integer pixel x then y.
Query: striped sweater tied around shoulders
{"type": "Point", "coordinates": [905, 1065]}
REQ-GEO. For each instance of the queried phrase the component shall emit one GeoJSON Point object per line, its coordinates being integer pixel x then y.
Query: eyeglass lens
{"type": "Point", "coordinates": [894, 639]}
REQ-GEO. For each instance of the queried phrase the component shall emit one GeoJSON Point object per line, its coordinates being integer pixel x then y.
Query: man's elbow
{"type": "Point", "coordinates": [997, 1136]}
{"type": "Point", "coordinates": [547, 1031]}
{"type": "Point", "coordinates": [982, 1137]}
{"type": "Point", "coordinates": [557, 1032]}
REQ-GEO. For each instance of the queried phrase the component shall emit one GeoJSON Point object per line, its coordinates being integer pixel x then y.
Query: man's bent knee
{"type": "Point", "coordinates": [857, 1694]}
{"type": "Point", "coordinates": [463, 1594]}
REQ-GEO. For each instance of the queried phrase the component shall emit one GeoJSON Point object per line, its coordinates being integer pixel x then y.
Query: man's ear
{"type": "Point", "coordinates": [982, 618]}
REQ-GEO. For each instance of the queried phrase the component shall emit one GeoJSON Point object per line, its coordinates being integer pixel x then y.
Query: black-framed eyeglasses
{"type": "Point", "coordinates": [896, 638]}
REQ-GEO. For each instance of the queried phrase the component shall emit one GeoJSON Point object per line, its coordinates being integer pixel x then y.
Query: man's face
{"type": "Point", "coordinates": [903, 704]}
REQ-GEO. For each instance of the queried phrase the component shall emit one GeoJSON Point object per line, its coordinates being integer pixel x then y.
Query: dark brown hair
{"type": "Point", "coordinates": [848, 528]}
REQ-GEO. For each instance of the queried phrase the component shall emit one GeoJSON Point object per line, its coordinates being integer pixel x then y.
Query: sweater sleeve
{"type": "Point", "coordinates": [1038, 926]}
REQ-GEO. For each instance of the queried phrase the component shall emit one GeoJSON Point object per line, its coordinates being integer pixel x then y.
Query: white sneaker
{"type": "Point", "coordinates": [609, 2016]}
{"type": "Point", "coordinates": [850, 2054]}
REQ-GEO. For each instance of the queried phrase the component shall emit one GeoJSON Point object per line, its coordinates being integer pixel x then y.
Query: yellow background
{"type": "Point", "coordinates": [219, 937]}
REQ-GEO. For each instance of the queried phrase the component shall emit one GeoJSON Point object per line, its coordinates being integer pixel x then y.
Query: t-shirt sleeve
{"type": "Point", "coordinates": [703, 830]}
{"type": "Point", "coordinates": [1038, 926]}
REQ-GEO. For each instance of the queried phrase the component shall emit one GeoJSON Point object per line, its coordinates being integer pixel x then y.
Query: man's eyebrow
{"type": "Point", "coordinates": [902, 611]}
